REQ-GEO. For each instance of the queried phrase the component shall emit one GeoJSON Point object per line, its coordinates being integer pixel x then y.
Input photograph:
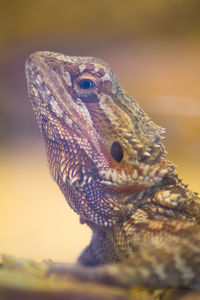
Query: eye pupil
{"type": "Point", "coordinates": [116, 151]}
{"type": "Point", "coordinates": [85, 84]}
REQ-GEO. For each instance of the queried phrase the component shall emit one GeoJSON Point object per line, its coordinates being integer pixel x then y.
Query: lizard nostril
{"type": "Point", "coordinates": [116, 151]}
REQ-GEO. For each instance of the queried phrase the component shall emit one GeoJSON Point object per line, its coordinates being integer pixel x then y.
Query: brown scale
{"type": "Point", "coordinates": [145, 233]}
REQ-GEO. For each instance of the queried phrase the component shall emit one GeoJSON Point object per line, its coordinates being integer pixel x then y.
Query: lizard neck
{"type": "Point", "coordinates": [170, 200]}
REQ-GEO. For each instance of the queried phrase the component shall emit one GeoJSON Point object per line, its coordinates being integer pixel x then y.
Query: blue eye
{"type": "Point", "coordinates": [85, 84]}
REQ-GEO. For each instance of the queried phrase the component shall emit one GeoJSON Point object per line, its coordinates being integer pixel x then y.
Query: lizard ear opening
{"type": "Point", "coordinates": [116, 151]}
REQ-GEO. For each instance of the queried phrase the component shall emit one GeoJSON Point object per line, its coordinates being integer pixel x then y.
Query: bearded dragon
{"type": "Point", "coordinates": [107, 157]}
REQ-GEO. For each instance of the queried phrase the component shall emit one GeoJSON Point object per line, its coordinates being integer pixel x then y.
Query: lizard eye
{"type": "Point", "coordinates": [86, 84]}
{"type": "Point", "coordinates": [86, 88]}
{"type": "Point", "coordinates": [116, 151]}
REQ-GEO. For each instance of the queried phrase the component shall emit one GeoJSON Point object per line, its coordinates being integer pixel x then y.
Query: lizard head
{"type": "Point", "coordinates": [103, 150]}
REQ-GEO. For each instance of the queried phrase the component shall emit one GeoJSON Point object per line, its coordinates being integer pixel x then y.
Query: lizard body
{"type": "Point", "coordinates": [108, 159]}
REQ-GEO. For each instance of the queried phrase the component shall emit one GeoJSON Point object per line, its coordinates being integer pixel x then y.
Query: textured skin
{"type": "Point", "coordinates": [107, 157]}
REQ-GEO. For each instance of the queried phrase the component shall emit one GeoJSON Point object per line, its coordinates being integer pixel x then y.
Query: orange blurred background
{"type": "Point", "coordinates": [153, 47]}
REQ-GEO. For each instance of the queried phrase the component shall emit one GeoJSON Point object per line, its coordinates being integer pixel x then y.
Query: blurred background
{"type": "Point", "coordinates": [152, 46]}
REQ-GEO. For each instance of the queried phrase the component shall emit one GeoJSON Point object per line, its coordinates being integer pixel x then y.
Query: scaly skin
{"type": "Point", "coordinates": [107, 157]}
